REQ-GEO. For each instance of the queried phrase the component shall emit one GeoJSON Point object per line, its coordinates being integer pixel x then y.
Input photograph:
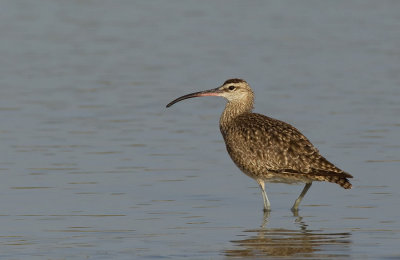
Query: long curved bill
{"type": "Point", "coordinates": [210, 92]}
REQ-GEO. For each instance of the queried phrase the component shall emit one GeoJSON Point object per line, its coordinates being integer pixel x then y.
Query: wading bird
{"type": "Point", "coordinates": [267, 149]}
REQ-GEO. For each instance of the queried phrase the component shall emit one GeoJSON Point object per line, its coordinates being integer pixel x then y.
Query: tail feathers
{"type": "Point", "coordinates": [339, 177]}
{"type": "Point", "coordinates": [335, 177]}
{"type": "Point", "coordinates": [342, 181]}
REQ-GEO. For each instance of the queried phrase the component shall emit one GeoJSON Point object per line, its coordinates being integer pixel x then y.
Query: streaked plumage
{"type": "Point", "coordinates": [267, 149]}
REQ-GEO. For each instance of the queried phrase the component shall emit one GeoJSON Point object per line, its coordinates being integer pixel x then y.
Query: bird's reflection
{"type": "Point", "coordinates": [300, 242]}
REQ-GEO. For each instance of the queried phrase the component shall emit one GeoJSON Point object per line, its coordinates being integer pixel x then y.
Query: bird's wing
{"type": "Point", "coordinates": [275, 146]}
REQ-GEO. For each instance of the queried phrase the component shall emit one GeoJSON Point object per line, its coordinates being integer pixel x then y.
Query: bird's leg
{"type": "Point", "coordinates": [296, 204]}
{"type": "Point", "coordinates": [265, 218]}
{"type": "Point", "coordinates": [267, 205]}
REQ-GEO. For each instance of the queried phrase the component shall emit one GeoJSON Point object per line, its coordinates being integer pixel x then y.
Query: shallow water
{"type": "Point", "coordinates": [94, 166]}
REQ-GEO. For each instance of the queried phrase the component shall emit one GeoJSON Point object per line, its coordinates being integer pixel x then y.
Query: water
{"type": "Point", "coordinates": [93, 166]}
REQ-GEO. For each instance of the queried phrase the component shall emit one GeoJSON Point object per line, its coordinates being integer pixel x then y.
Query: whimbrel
{"type": "Point", "coordinates": [267, 149]}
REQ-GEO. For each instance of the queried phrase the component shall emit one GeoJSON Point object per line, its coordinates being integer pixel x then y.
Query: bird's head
{"type": "Point", "coordinates": [234, 90]}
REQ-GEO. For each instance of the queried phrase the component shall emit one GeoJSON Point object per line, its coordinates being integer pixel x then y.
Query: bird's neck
{"type": "Point", "coordinates": [231, 111]}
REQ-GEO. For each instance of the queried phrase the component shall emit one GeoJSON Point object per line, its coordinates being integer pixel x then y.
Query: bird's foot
{"type": "Point", "coordinates": [295, 211]}
{"type": "Point", "coordinates": [267, 210]}
{"type": "Point", "coordinates": [265, 218]}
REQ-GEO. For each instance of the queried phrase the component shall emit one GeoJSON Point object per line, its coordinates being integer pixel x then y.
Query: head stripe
{"type": "Point", "coordinates": [229, 81]}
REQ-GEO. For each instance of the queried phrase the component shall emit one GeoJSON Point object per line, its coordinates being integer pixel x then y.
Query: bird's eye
{"type": "Point", "coordinates": [231, 87]}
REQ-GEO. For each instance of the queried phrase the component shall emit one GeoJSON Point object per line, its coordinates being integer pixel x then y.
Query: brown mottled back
{"type": "Point", "coordinates": [260, 145]}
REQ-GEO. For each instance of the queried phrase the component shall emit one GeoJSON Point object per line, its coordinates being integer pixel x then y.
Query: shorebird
{"type": "Point", "coordinates": [267, 149]}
